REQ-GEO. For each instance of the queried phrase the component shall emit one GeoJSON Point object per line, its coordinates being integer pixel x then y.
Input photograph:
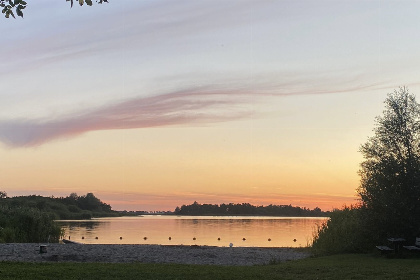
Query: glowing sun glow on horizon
{"type": "Point", "coordinates": [155, 104]}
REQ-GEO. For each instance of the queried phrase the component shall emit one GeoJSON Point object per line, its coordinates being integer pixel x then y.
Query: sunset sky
{"type": "Point", "coordinates": [154, 104]}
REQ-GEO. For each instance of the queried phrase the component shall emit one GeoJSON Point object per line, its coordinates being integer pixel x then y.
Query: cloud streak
{"type": "Point", "coordinates": [199, 105]}
{"type": "Point", "coordinates": [190, 106]}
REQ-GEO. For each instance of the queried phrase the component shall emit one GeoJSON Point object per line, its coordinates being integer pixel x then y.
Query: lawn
{"type": "Point", "coordinates": [349, 266]}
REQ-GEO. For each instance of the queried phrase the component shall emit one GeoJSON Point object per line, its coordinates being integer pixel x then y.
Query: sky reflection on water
{"type": "Point", "coordinates": [155, 229]}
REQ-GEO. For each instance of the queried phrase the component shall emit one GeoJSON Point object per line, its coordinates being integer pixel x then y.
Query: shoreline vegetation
{"type": "Point", "coordinates": [246, 209]}
{"type": "Point", "coordinates": [31, 218]}
{"type": "Point", "coordinates": [26, 219]}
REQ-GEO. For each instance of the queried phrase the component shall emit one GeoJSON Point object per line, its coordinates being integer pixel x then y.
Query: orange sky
{"type": "Point", "coordinates": [152, 104]}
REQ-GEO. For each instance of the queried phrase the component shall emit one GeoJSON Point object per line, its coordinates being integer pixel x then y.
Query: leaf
{"type": "Point", "coordinates": [19, 12]}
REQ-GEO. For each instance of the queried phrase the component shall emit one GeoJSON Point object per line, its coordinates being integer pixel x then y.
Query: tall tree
{"type": "Point", "coordinates": [390, 174]}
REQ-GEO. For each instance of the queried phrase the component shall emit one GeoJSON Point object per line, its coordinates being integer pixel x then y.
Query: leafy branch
{"type": "Point", "coordinates": [88, 2]}
{"type": "Point", "coordinates": [9, 5]}
{"type": "Point", "coordinates": [12, 7]}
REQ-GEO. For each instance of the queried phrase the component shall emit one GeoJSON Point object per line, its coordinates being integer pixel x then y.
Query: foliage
{"type": "Point", "coordinates": [64, 208]}
{"type": "Point", "coordinates": [31, 218]}
{"type": "Point", "coordinates": [344, 232]}
{"type": "Point", "coordinates": [230, 209]}
{"type": "Point", "coordinates": [18, 5]}
{"type": "Point", "coordinates": [8, 6]}
{"type": "Point", "coordinates": [390, 175]}
{"type": "Point", "coordinates": [3, 194]}
{"type": "Point", "coordinates": [360, 266]}
{"type": "Point", "coordinates": [24, 224]}
{"type": "Point", "coordinates": [88, 2]}
{"type": "Point", "coordinates": [389, 189]}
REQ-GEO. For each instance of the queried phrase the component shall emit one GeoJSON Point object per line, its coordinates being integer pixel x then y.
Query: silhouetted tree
{"type": "Point", "coordinates": [390, 174]}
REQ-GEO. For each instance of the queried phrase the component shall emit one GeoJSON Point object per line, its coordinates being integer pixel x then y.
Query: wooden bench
{"type": "Point", "coordinates": [415, 248]}
{"type": "Point", "coordinates": [384, 249]}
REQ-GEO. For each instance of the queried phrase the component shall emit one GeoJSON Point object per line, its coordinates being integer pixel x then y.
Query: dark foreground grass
{"type": "Point", "coordinates": [331, 267]}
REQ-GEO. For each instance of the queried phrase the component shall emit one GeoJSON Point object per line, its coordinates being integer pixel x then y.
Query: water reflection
{"type": "Point", "coordinates": [211, 231]}
{"type": "Point", "coordinates": [89, 225]}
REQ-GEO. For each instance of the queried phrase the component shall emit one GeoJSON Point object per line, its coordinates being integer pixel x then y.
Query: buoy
{"type": "Point", "coordinates": [218, 238]}
{"type": "Point", "coordinates": [96, 237]}
{"type": "Point", "coordinates": [294, 240]}
{"type": "Point", "coordinates": [120, 237]}
{"type": "Point", "coordinates": [145, 238]}
{"type": "Point", "coordinates": [244, 239]}
{"type": "Point", "coordinates": [194, 238]}
{"type": "Point", "coordinates": [83, 237]}
{"type": "Point", "coordinates": [170, 238]}
{"type": "Point", "coordinates": [269, 239]}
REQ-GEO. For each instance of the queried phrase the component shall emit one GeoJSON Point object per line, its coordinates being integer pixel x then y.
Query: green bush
{"type": "Point", "coordinates": [24, 224]}
{"type": "Point", "coordinates": [31, 218]}
{"type": "Point", "coordinates": [344, 232]}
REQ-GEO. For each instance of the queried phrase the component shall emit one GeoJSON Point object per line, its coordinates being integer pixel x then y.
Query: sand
{"type": "Point", "coordinates": [30, 252]}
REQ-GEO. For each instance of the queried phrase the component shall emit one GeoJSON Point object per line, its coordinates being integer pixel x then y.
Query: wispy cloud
{"type": "Point", "coordinates": [201, 105]}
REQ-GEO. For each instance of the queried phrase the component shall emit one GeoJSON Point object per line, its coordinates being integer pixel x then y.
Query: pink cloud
{"type": "Point", "coordinates": [174, 108]}
{"type": "Point", "coordinates": [201, 105]}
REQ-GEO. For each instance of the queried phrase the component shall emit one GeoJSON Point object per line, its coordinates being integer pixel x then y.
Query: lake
{"type": "Point", "coordinates": [195, 230]}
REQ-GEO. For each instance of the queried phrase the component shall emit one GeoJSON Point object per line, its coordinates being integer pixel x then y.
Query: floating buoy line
{"type": "Point", "coordinates": [169, 238]}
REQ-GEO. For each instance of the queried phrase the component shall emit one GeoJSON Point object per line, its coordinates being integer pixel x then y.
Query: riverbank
{"type": "Point", "coordinates": [116, 253]}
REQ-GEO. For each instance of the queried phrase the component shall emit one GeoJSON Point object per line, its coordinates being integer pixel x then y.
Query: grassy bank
{"type": "Point", "coordinates": [349, 266]}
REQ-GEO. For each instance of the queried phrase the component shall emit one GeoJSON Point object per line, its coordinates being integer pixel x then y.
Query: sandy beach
{"type": "Point", "coordinates": [30, 252]}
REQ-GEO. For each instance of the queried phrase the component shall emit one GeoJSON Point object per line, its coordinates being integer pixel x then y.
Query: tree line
{"type": "Point", "coordinates": [64, 208]}
{"type": "Point", "coordinates": [31, 218]}
{"type": "Point", "coordinates": [246, 209]}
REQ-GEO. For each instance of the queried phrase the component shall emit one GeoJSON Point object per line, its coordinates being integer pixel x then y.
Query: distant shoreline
{"type": "Point", "coordinates": [214, 215]}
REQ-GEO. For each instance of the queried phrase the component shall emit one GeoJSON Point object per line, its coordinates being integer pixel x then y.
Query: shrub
{"type": "Point", "coordinates": [28, 225]}
{"type": "Point", "coordinates": [344, 232]}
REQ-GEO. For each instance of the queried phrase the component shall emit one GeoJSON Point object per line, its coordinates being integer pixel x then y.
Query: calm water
{"type": "Point", "coordinates": [183, 229]}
